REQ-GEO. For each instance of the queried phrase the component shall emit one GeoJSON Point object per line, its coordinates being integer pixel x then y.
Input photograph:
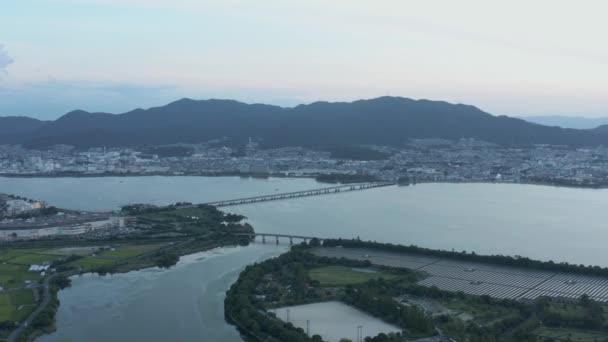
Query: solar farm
{"type": "Point", "coordinates": [483, 279]}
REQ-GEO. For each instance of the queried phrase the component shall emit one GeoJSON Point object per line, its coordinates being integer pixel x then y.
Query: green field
{"type": "Point", "coordinates": [484, 314]}
{"type": "Point", "coordinates": [30, 259]}
{"type": "Point", "coordinates": [571, 311]}
{"type": "Point", "coordinates": [16, 279]}
{"type": "Point", "coordinates": [177, 215]}
{"type": "Point", "coordinates": [16, 305]}
{"type": "Point", "coordinates": [9, 254]}
{"type": "Point", "coordinates": [341, 275]}
{"type": "Point", "coordinates": [130, 251]}
{"type": "Point", "coordinates": [65, 251]}
{"type": "Point", "coordinates": [90, 262]}
{"type": "Point", "coordinates": [574, 335]}
{"type": "Point", "coordinates": [4, 268]}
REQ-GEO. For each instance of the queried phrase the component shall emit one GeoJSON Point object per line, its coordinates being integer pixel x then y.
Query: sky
{"type": "Point", "coordinates": [518, 58]}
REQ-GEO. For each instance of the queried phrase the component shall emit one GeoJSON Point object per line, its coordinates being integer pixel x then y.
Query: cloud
{"type": "Point", "coordinates": [5, 59]}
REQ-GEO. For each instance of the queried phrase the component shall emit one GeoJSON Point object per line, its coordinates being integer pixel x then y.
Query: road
{"type": "Point", "coordinates": [46, 298]}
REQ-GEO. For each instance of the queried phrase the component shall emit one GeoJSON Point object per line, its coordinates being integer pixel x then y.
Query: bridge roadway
{"type": "Point", "coordinates": [296, 194]}
{"type": "Point", "coordinates": [277, 236]}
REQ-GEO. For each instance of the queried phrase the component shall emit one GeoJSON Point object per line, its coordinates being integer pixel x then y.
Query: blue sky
{"type": "Point", "coordinates": [515, 58]}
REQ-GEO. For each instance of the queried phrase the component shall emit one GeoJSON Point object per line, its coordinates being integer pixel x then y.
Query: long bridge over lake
{"type": "Point", "coordinates": [276, 236]}
{"type": "Point", "coordinates": [297, 194]}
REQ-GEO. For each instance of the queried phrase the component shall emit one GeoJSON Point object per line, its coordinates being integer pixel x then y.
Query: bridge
{"type": "Point", "coordinates": [297, 194]}
{"type": "Point", "coordinates": [252, 236]}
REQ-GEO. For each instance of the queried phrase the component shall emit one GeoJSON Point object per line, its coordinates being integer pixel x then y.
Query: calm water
{"type": "Point", "coordinates": [184, 303]}
{"type": "Point", "coordinates": [562, 224]}
{"type": "Point", "coordinates": [108, 193]}
{"type": "Point", "coordinates": [334, 320]}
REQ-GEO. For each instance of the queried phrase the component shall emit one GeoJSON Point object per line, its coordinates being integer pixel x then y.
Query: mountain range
{"type": "Point", "coordinates": [567, 121]}
{"type": "Point", "coordinates": [381, 121]}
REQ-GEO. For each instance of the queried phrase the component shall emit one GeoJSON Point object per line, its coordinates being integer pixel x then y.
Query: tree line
{"type": "Point", "coordinates": [503, 260]}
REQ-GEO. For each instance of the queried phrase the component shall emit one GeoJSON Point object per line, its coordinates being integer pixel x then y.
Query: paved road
{"type": "Point", "coordinates": [46, 298]}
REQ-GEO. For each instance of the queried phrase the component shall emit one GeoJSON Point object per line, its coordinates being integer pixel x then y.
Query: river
{"type": "Point", "coordinates": [184, 303]}
{"type": "Point", "coordinates": [542, 222]}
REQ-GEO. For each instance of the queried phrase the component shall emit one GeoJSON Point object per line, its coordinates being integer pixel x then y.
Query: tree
{"type": "Point", "coordinates": [314, 242]}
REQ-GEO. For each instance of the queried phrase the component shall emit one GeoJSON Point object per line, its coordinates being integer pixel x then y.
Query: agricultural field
{"type": "Point", "coordinates": [16, 279]}
{"type": "Point", "coordinates": [14, 264]}
{"type": "Point", "coordinates": [65, 251]}
{"type": "Point", "coordinates": [342, 275]}
{"type": "Point", "coordinates": [16, 305]}
{"type": "Point", "coordinates": [90, 262]}
{"type": "Point", "coordinates": [8, 254]}
{"type": "Point", "coordinates": [570, 335]}
{"type": "Point", "coordinates": [129, 251]}
{"type": "Point", "coordinates": [33, 258]}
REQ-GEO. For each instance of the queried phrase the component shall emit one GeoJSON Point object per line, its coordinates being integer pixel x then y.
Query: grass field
{"type": "Point", "coordinates": [16, 279]}
{"type": "Point", "coordinates": [341, 275]}
{"type": "Point", "coordinates": [4, 268]}
{"type": "Point", "coordinates": [130, 251]}
{"type": "Point", "coordinates": [182, 215]}
{"type": "Point", "coordinates": [190, 212]}
{"type": "Point", "coordinates": [64, 251]}
{"type": "Point", "coordinates": [9, 254]}
{"type": "Point", "coordinates": [90, 262]}
{"type": "Point", "coordinates": [574, 335]}
{"type": "Point", "coordinates": [16, 305]}
{"type": "Point", "coordinates": [29, 259]}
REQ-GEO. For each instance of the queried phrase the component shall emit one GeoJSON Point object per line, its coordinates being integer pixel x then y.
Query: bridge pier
{"type": "Point", "coordinates": [263, 239]}
{"type": "Point", "coordinates": [277, 241]}
{"type": "Point", "coordinates": [290, 241]}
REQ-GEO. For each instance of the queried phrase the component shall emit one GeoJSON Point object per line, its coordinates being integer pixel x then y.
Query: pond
{"type": "Point", "coordinates": [334, 320]}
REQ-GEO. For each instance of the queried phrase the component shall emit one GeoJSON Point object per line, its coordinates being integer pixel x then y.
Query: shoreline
{"type": "Point", "coordinates": [29, 333]}
{"type": "Point", "coordinates": [313, 177]}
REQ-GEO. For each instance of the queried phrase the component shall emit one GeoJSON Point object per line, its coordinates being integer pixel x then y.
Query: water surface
{"type": "Point", "coordinates": [184, 303]}
{"type": "Point", "coordinates": [334, 320]}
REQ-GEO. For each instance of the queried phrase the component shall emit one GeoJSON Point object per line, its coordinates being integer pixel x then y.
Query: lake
{"type": "Point", "coordinates": [542, 222]}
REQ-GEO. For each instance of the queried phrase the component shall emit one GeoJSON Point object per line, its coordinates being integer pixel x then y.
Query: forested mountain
{"type": "Point", "coordinates": [579, 122]}
{"type": "Point", "coordinates": [385, 120]}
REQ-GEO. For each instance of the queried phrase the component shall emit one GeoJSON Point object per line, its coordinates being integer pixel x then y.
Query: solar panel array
{"type": "Point", "coordinates": [483, 279]}
{"type": "Point", "coordinates": [474, 288]}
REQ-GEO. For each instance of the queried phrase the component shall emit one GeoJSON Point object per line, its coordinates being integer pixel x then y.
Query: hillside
{"type": "Point", "coordinates": [578, 122]}
{"type": "Point", "coordinates": [385, 120]}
